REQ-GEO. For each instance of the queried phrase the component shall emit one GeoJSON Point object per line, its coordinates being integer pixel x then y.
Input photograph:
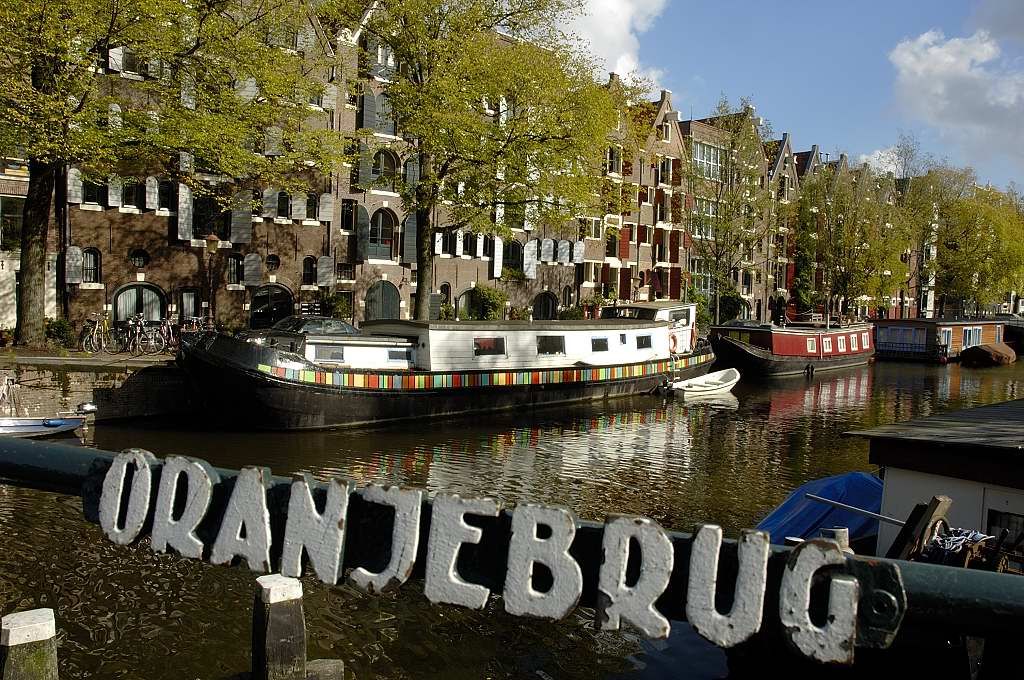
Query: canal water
{"type": "Point", "coordinates": [127, 613]}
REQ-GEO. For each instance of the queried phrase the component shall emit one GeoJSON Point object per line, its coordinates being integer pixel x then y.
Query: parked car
{"type": "Point", "coordinates": [290, 332]}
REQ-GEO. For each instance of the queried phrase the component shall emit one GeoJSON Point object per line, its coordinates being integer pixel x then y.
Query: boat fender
{"type": "Point", "coordinates": [53, 422]}
{"type": "Point", "coordinates": [673, 343]}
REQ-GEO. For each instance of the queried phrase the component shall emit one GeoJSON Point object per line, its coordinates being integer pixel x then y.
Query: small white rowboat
{"type": "Point", "coordinates": [712, 383]}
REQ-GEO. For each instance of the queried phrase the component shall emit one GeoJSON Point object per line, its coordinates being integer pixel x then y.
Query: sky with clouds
{"type": "Point", "coordinates": [848, 76]}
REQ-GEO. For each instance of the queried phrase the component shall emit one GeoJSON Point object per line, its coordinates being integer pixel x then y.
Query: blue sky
{"type": "Point", "coordinates": [848, 76]}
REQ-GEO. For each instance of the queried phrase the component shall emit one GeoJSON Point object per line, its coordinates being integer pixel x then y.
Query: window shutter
{"type": "Point", "coordinates": [530, 259]}
{"type": "Point", "coordinates": [579, 250]}
{"type": "Point", "coordinates": [325, 271]}
{"type": "Point", "coordinates": [241, 218]}
{"type": "Point", "coordinates": [299, 207]}
{"type": "Point", "coordinates": [624, 235]}
{"type": "Point", "coordinates": [273, 141]}
{"type": "Point", "coordinates": [677, 172]}
{"type": "Point", "coordinates": [383, 123]}
{"type": "Point", "coordinates": [114, 188]}
{"type": "Point", "coordinates": [368, 112]}
{"type": "Point", "coordinates": [325, 208]}
{"type": "Point", "coordinates": [673, 246]}
{"type": "Point", "coordinates": [74, 262]}
{"type": "Point", "coordinates": [184, 212]}
{"type": "Point", "coordinates": [307, 38]}
{"type": "Point", "coordinates": [115, 58]}
{"type": "Point", "coordinates": [252, 270]}
{"type": "Point", "coordinates": [409, 243]}
{"type": "Point", "coordinates": [330, 99]}
{"type": "Point", "coordinates": [364, 178]}
{"type": "Point", "coordinates": [74, 185]}
{"type": "Point", "coordinates": [152, 193]}
{"type": "Point", "coordinates": [547, 250]}
{"type": "Point", "coordinates": [438, 242]}
{"type": "Point", "coordinates": [458, 243]}
{"type": "Point", "coordinates": [246, 89]}
{"type": "Point", "coordinates": [270, 202]}
{"type": "Point", "coordinates": [564, 249]}
{"type": "Point", "coordinates": [412, 171]}
{"type": "Point", "coordinates": [496, 259]}
{"type": "Point", "coordinates": [362, 233]}
{"type": "Point", "coordinates": [479, 245]}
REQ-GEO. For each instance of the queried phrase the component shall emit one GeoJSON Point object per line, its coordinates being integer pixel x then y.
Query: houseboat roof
{"type": "Point", "coordinates": [982, 444]}
{"type": "Point", "coordinates": [938, 322]}
{"type": "Point", "coordinates": [655, 304]}
{"type": "Point", "coordinates": [555, 325]}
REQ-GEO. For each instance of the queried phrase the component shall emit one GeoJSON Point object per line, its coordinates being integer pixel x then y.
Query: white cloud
{"type": "Point", "coordinates": [880, 160]}
{"type": "Point", "coordinates": [612, 29]}
{"type": "Point", "coordinates": [962, 88]}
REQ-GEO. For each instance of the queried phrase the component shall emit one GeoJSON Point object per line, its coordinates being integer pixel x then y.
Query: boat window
{"type": "Point", "coordinates": [399, 355]}
{"type": "Point", "coordinates": [826, 345]}
{"type": "Point", "coordinates": [488, 346]}
{"type": "Point", "coordinates": [599, 344]}
{"type": "Point", "coordinates": [551, 344]}
{"type": "Point", "coordinates": [682, 315]}
{"type": "Point", "coordinates": [330, 353]}
{"type": "Point", "coordinates": [812, 345]}
{"type": "Point", "coordinates": [864, 340]}
{"type": "Point", "coordinates": [622, 338]}
{"type": "Point", "coordinates": [643, 341]}
{"type": "Point", "coordinates": [842, 343]}
{"type": "Point", "coordinates": [853, 342]}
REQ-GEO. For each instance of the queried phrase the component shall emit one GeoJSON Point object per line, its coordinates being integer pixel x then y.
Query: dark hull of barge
{"type": "Point", "coordinates": [224, 376]}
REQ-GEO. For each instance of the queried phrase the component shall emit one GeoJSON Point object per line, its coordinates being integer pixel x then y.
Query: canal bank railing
{"type": "Point", "coordinates": [819, 601]}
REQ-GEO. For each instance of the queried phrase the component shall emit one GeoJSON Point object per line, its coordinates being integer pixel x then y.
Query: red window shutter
{"type": "Point", "coordinates": [642, 233]}
{"type": "Point", "coordinates": [625, 284]}
{"type": "Point", "coordinates": [674, 283]}
{"type": "Point", "coordinates": [625, 233]}
{"type": "Point", "coordinates": [673, 246]}
{"type": "Point", "coordinates": [606, 273]}
{"type": "Point", "coordinates": [687, 240]}
{"type": "Point", "coordinates": [677, 172]}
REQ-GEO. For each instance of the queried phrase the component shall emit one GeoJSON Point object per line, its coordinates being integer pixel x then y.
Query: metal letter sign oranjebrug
{"type": "Point", "coordinates": [468, 548]}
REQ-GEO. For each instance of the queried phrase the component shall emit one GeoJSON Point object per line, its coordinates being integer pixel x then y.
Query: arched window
{"type": "Point", "coordinates": [385, 170]}
{"type": "Point", "coordinates": [382, 235]}
{"type": "Point", "coordinates": [91, 271]}
{"type": "Point", "coordinates": [312, 206]}
{"type": "Point", "coordinates": [512, 257]}
{"type": "Point", "coordinates": [469, 243]}
{"type": "Point", "coordinates": [567, 296]}
{"type": "Point", "coordinates": [446, 293]}
{"type": "Point", "coordinates": [284, 204]}
{"type": "Point", "coordinates": [139, 258]}
{"type": "Point", "coordinates": [309, 271]}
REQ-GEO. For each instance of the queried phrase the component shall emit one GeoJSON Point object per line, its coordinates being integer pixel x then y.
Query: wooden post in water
{"type": "Point", "coordinates": [278, 629]}
{"type": "Point", "coordinates": [28, 646]}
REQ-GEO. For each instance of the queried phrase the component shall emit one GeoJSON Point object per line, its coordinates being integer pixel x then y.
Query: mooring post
{"type": "Point", "coordinates": [278, 629]}
{"type": "Point", "coordinates": [28, 646]}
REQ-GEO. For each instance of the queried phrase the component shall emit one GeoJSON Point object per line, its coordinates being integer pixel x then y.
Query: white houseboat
{"type": "Point", "coordinates": [400, 370]}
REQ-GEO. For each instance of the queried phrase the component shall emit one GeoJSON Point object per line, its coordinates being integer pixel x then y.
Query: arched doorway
{"type": "Point", "coordinates": [545, 307]}
{"type": "Point", "coordinates": [382, 302]}
{"type": "Point", "coordinates": [270, 304]}
{"type": "Point", "coordinates": [139, 298]}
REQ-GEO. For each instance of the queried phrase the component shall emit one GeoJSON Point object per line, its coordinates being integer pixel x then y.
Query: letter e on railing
{"type": "Point", "coordinates": [448, 531]}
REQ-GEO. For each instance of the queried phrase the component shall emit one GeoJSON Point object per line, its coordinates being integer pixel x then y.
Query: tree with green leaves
{"type": "Point", "coordinates": [730, 218]}
{"type": "Point", "coordinates": [141, 88]}
{"type": "Point", "coordinates": [502, 116]}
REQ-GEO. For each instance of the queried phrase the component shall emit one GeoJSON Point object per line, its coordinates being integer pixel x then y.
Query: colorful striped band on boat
{"type": "Point", "coordinates": [434, 381]}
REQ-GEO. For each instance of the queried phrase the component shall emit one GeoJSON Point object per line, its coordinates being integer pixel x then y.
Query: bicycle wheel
{"type": "Point", "coordinates": [153, 343]}
{"type": "Point", "coordinates": [135, 344]}
{"type": "Point", "coordinates": [89, 344]}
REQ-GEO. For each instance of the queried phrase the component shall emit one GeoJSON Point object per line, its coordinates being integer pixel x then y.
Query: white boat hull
{"type": "Point", "coordinates": [718, 382]}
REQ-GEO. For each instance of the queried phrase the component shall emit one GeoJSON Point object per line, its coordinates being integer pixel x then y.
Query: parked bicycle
{"type": "Point", "coordinates": [97, 334]}
{"type": "Point", "coordinates": [142, 337]}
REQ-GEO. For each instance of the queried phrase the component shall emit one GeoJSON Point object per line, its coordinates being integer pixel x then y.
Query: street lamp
{"type": "Point", "coordinates": [212, 244]}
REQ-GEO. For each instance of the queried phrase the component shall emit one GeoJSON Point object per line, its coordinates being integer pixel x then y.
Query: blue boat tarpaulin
{"type": "Point", "coordinates": [801, 517]}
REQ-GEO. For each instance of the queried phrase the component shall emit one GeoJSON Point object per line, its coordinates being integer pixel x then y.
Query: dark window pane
{"type": "Point", "coordinates": [599, 344]}
{"type": "Point", "coordinates": [488, 346]}
{"type": "Point", "coordinates": [643, 341]}
{"type": "Point", "coordinates": [551, 344]}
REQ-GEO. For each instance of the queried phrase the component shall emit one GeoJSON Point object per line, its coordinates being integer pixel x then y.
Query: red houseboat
{"type": "Point", "coordinates": [798, 348]}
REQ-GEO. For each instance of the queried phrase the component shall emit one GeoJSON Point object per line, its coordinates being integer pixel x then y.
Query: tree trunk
{"type": "Point", "coordinates": [424, 239]}
{"type": "Point", "coordinates": [63, 222]}
{"type": "Point", "coordinates": [31, 328]}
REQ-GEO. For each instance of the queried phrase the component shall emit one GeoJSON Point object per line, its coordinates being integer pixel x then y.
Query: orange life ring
{"type": "Point", "coordinates": [673, 343]}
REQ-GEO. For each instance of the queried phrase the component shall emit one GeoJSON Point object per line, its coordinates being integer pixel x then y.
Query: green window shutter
{"type": "Point", "coordinates": [362, 233]}
{"type": "Point", "coordinates": [409, 236]}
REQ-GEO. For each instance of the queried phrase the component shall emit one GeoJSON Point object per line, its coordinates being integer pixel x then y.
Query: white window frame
{"type": "Point", "coordinates": [841, 342]}
{"type": "Point", "coordinates": [865, 340]}
{"type": "Point", "coordinates": [812, 345]}
{"type": "Point", "coordinates": [853, 342]}
{"type": "Point", "coordinates": [826, 345]}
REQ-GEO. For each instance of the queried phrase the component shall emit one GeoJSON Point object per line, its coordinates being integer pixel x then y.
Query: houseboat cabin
{"type": "Point", "coordinates": [937, 340]}
{"type": "Point", "coordinates": [972, 456]}
{"type": "Point", "coordinates": [793, 349]}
